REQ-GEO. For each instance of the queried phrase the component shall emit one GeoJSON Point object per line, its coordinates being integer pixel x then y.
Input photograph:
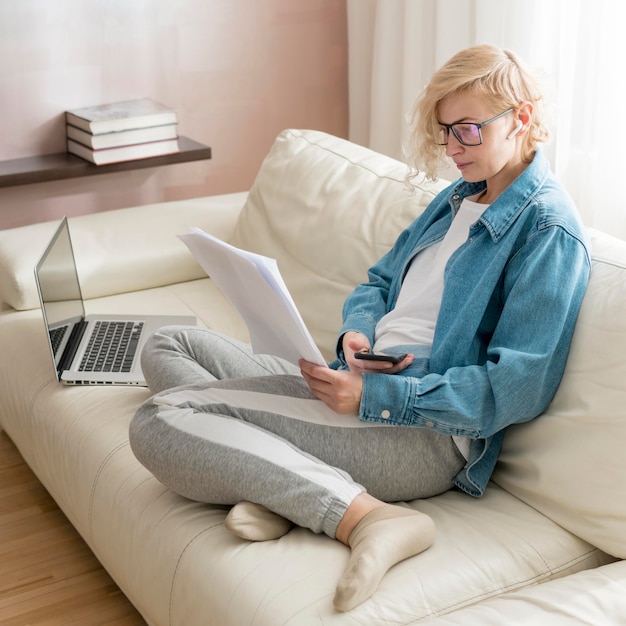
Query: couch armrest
{"type": "Point", "coordinates": [118, 251]}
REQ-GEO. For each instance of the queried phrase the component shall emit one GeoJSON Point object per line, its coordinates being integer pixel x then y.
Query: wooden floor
{"type": "Point", "coordinates": [48, 575]}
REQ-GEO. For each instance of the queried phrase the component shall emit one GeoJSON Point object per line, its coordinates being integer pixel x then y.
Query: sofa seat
{"type": "Point", "coordinates": [174, 558]}
{"type": "Point", "coordinates": [543, 546]}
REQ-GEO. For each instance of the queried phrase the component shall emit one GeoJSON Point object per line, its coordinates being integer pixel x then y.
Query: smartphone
{"type": "Point", "coordinates": [374, 356]}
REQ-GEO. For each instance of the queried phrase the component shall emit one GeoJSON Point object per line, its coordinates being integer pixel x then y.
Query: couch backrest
{"type": "Point", "coordinates": [570, 463]}
{"type": "Point", "coordinates": [327, 209]}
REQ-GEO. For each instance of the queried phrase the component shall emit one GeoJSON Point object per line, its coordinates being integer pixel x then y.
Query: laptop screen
{"type": "Point", "coordinates": [57, 283]}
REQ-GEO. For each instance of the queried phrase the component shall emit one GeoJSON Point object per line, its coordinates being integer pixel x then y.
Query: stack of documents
{"type": "Point", "coordinates": [254, 286]}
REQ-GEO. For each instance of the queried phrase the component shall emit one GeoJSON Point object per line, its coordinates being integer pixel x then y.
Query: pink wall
{"type": "Point", "coordinates": [236, 71]}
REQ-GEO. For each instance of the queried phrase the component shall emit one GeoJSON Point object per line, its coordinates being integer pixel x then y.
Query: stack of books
{"type": "Point", "coordinates": [123, 131]}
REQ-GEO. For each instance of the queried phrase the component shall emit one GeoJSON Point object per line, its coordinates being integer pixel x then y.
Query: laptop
{"type": "Point", "coordinates": [89, 350]}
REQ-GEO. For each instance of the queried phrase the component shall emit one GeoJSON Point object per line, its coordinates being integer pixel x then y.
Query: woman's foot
{"type": "Point", "coordinates": [385, 536]}
{"type": "Point", "coordinates": [256, 523]}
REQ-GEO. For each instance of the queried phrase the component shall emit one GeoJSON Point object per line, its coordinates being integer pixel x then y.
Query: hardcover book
{"type": "Point", "coordinates": [120, 116]}
{"type": "Point", "coordinates": [125, 153]}
{"type": "Point", "coordinates": [122, 138]}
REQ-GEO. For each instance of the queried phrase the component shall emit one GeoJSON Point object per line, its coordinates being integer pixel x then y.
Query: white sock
{"type": "Point", "coordinates": [385, 536]}
{"type": "Point", "coordinates": [256, 523]}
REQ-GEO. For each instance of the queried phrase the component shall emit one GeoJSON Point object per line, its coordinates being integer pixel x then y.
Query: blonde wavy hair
{"type": "Point", "coordinates": [483, 70]}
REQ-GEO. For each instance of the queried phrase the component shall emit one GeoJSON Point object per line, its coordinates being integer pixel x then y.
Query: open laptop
{"type": "Point", "coordinates": [92, 350]}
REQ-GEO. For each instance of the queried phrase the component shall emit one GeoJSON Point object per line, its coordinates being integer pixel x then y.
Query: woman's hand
{"type": "Point", "coordinates": [339, 389]}
{"type": "Point", "coordinates": [356, 342]}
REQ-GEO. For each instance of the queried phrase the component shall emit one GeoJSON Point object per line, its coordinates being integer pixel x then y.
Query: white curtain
{"type": "Point", "coordinates": [580, 47]}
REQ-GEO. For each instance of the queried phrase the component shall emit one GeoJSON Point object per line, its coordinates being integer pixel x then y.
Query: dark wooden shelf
{"type": "Point", "coordinates": [65, 165]}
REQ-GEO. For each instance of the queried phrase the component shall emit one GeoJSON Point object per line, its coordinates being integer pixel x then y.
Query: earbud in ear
{"type": "Point", "coordinates": [516, 130]}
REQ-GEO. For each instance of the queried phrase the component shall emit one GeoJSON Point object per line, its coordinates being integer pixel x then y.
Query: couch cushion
{"type": "Point", "coordinates": [596, 596]}
{"type": "Point", "coordinates": [569, 463]}
{"type": "Point", "coordinates": [117, 251]}
{"type": "Point", "coordinates": [311, 184]}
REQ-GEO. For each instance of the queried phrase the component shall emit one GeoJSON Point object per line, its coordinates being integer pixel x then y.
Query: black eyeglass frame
{"type": "Point", "coordinates": [450, 127]}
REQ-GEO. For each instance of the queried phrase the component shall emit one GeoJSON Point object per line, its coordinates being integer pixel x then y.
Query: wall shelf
{"type": "Point", "coordinates": [64, 165]}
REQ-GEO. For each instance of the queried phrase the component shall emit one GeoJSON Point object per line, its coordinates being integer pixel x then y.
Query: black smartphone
{"type": "Point", "coordinates": [374, 356]}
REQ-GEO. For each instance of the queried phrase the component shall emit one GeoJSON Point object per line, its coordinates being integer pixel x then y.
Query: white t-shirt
{"type": "Point", "coordinates": [413, 319]}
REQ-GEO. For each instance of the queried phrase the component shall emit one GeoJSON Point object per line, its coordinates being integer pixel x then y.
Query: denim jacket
{"type": "Point", "coordinates": [511, 297]}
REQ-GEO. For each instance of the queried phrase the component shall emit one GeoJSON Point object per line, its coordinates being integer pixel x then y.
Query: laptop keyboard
{"type": "Point", "coordinates": [56, 337]}
{"type": "Point", "coordinates": [111, 347]}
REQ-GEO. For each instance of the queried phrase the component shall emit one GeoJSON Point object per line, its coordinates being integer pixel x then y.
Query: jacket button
{"type": "Point", "coordinates": [385, 414]}
{"type": "Point", "coordinates": [430, 424]}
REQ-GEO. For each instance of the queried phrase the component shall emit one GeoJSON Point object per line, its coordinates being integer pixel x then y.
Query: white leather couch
{"type": "Point", "coordinates": [544, 546]}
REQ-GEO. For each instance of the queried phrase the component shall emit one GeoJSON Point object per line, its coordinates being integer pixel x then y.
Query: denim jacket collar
{"type": "Point", "coordinates": [499, 216]}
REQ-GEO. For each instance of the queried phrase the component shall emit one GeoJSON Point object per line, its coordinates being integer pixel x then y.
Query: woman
{"type": "Point", "coordinates": [481, 294]}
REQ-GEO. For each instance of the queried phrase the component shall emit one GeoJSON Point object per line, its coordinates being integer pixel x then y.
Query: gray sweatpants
{"type": "Point", "coordinates": [226, 425]}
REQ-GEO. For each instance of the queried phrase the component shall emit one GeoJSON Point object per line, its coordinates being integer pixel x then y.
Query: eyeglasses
{"type": "Point", "coordinates": [467, 133]}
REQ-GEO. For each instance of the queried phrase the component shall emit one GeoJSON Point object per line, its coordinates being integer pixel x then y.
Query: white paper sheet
{"type": "Point", "coordinates": [254, 286]}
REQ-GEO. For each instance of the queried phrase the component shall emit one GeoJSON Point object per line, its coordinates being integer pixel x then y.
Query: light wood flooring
{"type": "Point", "coordinates": [48, 575]}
